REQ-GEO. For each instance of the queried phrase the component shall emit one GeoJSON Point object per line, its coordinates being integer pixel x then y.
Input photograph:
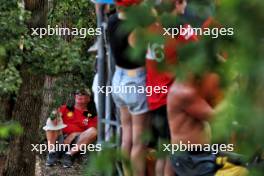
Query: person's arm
{"type": "Point", "coordinates": [187, 100]}
{"type": "Point", "coordinates": [132, 39]}
{"type": "Point", "coordinates": [198, 108]}
{"type": "Point", "coordinates": [55, 114]}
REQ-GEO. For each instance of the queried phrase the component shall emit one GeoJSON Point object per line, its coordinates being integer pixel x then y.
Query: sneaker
{"type": "Point", "coordinates": [52, 159]}
{"type": "Point", "coordinates": [67, 161]}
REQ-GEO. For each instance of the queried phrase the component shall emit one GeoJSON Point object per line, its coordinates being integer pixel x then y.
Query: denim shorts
{"type": "Point", "coordinates": [128, 90]}
{"type": "Point", "coordinates": [194, 164]}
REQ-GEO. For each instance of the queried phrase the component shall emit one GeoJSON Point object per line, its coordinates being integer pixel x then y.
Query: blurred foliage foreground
{"type": "Point", "coordinates": [240, 114]}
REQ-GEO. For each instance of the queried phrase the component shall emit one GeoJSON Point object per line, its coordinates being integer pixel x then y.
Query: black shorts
{"type": "Point", "coordinates": [61, 139]}
{"type": "Point", "coordinates": [194, 164]}
{"type": "Point", "coordinates": [159, 127]}
{"type": "Point", "coordinates": [74, 141]}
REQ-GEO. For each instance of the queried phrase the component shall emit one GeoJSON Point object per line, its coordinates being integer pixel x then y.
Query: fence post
{"type": "Point", "coordinates": [101, 68]}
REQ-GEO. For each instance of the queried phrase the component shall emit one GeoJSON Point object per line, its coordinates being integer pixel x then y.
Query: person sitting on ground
{"type": "Point", "coordinates": [80, 128]}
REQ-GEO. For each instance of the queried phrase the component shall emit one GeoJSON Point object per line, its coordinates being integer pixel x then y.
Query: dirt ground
{"type": "Point", "coordinates": [58, 170]}
{"type": "Point", "coordinates": [76, 170]}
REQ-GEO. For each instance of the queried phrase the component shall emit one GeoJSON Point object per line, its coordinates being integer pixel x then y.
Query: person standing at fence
{"type": "Point", "coordinates": [190, 109]}
{"type": "Point", "coordinates": [159, 58]}
{"type": "Point", "coordinates": [129, 76]}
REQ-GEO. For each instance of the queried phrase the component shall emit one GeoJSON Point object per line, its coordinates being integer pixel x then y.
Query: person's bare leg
{"type": "Point", "coordinates": [159, 168]}
{"type": "Point", "coordinates": [126, 123]}
{"type": "Point", "coordinates": [51, 138]}
{"type": "Point", "coordinates": [139, 126]}
{"type": "Point", "coordinates": [168, 170]}
{"type": "Point", "coordinates": [86, 137]}
{"type": "Point", "coordinates": [68, 140]}
{"type": "Point", "coordinates": [150, 162]}
{"type": "Point", "coordinates": [52, 156]}
{"type": "Point", "coordinates": [70, 137]}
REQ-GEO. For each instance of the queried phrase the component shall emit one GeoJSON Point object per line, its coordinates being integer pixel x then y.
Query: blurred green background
{"type": "Point", "coordinates": [63, 64]}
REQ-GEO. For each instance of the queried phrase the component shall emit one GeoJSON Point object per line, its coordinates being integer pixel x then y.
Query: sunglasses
{"type": "Point", "coordinates": [82, 92]}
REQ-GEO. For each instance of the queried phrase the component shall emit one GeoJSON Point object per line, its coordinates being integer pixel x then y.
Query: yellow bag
{"type": "Point", "coordinates": [229, 169]}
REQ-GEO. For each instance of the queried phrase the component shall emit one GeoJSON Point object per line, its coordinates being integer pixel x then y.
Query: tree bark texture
{"type": "Point", "coordinates": [48, 95]}
{"type": "Point", "coordinates": [20, 159]}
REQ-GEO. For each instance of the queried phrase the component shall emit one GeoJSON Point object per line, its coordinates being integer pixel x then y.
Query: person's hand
{"type": "Point", "coordinates": [55, 122]}
{"type": "Point", "coordinates": [55, 117]}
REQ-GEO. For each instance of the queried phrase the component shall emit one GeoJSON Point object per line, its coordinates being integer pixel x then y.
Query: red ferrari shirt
{"type": "Point", "coordinates": [156, 78]}
{"type": "Point", "coordinates": [166, 54]}
{"type": "Point", "coordinates": [77, 120]}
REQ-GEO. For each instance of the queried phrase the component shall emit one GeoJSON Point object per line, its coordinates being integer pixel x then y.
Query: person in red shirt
{"type": "Point", "coordinates": [79, 127]}
{"type": "Point", "coordinates": [162, 79]}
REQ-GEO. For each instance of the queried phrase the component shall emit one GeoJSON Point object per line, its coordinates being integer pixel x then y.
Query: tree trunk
{"type": "Point", "coordinates": [6, 107]}
{"type": "Point", "coordinates": [20, 159]}
{"type": "Point", "coordinates": [48, 95]}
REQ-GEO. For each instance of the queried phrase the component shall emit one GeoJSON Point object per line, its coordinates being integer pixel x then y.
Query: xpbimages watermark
{"type": "Point", "coordinates": [83, 148]}
{"type": "Point", "coordinates": [148, 90]}
{"type": "Point", "coordinates": [62, 31]}
{"type": "Point", "coordinates": [188, 31]}
{"type": "Point", "coordinates": [183, 147]}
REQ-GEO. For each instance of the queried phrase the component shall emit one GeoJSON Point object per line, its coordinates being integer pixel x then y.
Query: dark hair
{"type": "Point", "coordinates": [180, 1]}
{"type": "Point", "coordinates": [83, 92]}
{"type": "Point", "coordinates": [90, 107]}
